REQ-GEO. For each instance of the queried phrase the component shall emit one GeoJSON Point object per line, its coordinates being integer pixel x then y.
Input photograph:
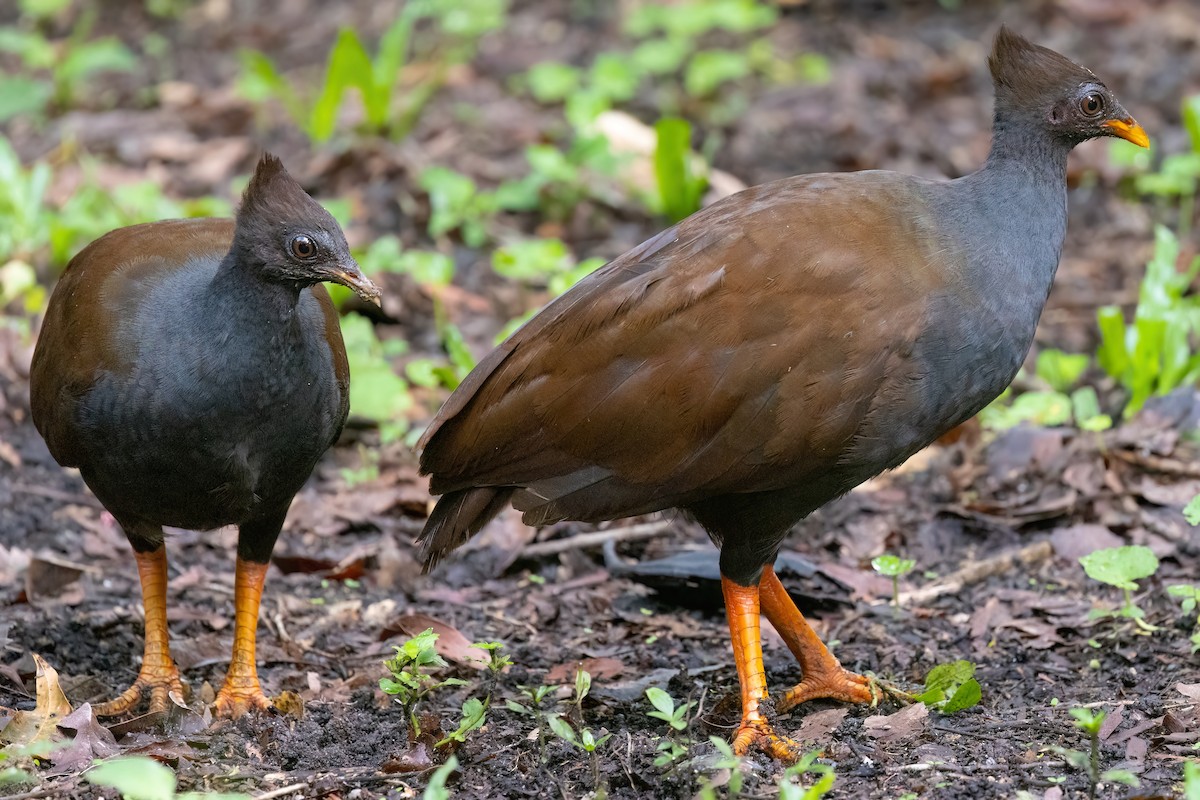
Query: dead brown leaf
{"type": "Point", "coordinates": [451, 644]}
{"type": "Point", "coordinates": [601, 668]}
{"type": "Point", "coordinates": [904, 724]}
{"type": "Point", "coordinates": [39, 725]}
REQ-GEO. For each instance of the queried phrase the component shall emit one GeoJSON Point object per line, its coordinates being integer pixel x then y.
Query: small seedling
{"type": "Point", "coordinates": [1154, 354]}
{"type": "Point", "coordinates": [585, 740]}
{"type": "Point", "coordinates": [410, 682]}
{"type": "Point", "coordinates": [533, 696]}
{"type": "Point", "coordinates": [789, 789]}
{"type": "Point", "coordinates": [436, 788]}
{"type": "Point", "coordinates": [1191, 512]}
{"type": "Point", "coordinates": [1189, 597]}
{"type": "Point", "coordinates": [671, 748]}
{"type": "Point", "coordinates": [1089, 763]}
{"type": "Point", "coordinates": [143, 778]}
{"type": "Point", "coordinates": [1121, 567]}
{"type": "Point", "coordinates": [474, 716]}
{"type": "Point", "coordinates": [951, 687]}
{"type": "Point", "coordinates": [893, 567]}
{"type": "Point", "coordinates": [728, 761]}
{"type": "Point", "coordinates": [583, 685]}
{"type": "Point", "coordinates": [1191, 780]}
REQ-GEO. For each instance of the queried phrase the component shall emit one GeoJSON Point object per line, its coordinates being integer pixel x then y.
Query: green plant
{"type": "Point", "coordinates": [410, 681]}
{"type": "Point", "coordinates": [57, 73]}
{"type": "Point", "coordinates": [474, 716]}
{"type": "Point", "coordinates": [1089, 763]}
{"type": "Point", "coordinates": [728, 761]}
{"type": "Point", "coordinates": [680, 190]}
{"type": "Point", "coordinates": [584, 740]}
{"type": "Point", "coordinates": [1154, 354]}
{"type": "Point", "coordinates": [1175, 181]}
{"type": "Point", "coordinates": [1058, 404]}
{"type": "Point", "coordinates": [454, 31]}
{"type": "Point", "coordinates": [377, 393]}
{"type": "Point", "coordinates": [1189, 597]}
{"type": "Point", "coordinates": [534, 697]}
{"type": "Point", "coordinates": [1191, 512]}
{"type": "Point", "coordinates": [1121, 567]}
{"type": "Point", "coordinates": [436, 788]}
{"type": "Point", "coordinates": [143, 778]}
{"type": "Point", "coordinates": [673, 747]}
{"type": "Point", "coordinates": [893, 567]}
{"type": "Point", "coordinates": [546, 262]}
{"type": "Point", "coordinates": [456, 204]}
{"type": "Point", "coordinates": [1191, 780]}
{"type": "Point", "coordinates": [789, 789]}
{"type": "Point", "coordinates": [950, 688]}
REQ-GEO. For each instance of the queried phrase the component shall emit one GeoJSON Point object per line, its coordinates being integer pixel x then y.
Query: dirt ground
{"type": "Point", "coordinates": [909, 91]}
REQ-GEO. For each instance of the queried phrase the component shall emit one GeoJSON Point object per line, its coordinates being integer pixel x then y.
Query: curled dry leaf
{"type": "Point", "coordinates": [40, 724]}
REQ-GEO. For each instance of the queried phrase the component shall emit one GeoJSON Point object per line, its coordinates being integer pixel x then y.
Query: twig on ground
{"type": "Point", "coordinates": [594, 539]}
{"type": "Point", "coordinates": [978, 571]}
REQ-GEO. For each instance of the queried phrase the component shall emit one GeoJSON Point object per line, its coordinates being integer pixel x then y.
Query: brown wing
{"type": "Point", "coordinates": [96, 289]}
{"type": "Point", "coordinates": [658, 380]}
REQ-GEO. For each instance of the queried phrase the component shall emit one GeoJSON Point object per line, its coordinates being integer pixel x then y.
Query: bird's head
{"type": "Point", "coordinates": [1067, 99]}
{"type": "Point", "coordinates": [291, 237]}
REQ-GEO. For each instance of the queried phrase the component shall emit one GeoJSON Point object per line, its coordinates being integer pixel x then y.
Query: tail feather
{"type": "Point", "coordinates": [457, 517]}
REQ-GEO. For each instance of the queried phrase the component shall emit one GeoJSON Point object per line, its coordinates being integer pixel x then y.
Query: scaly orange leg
{"type": "Point", "coordinates": [741, 608]}
{"type": "Point", "coordinates": [823, 675]}
{"type": "Point", "coordinates": [158, 674]}
{"type": "Point", "coordinates": [241, 691]}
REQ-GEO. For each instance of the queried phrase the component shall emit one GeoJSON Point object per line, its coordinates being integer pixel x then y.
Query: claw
{"type": "Point", "coordinates": [157, 680]}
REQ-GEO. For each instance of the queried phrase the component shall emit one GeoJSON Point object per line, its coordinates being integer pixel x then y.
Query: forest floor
{"type": "Point", "coordinates": [995, 522]}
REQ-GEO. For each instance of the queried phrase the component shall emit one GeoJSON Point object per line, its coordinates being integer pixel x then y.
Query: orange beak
{"type": "Point", "coordinates": [1128, 130]}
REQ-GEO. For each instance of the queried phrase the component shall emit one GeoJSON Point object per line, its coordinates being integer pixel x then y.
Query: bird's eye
{"type": "Point", "coordinates": [303, 247]}
{"type": "Point", "coordinates": [1091, 104]}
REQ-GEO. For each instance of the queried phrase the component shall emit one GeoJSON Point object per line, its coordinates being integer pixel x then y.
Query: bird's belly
{"type": "Point", "coordinates": [205, 459]}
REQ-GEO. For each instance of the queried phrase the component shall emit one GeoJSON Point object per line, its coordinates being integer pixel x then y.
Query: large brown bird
{"type": "Point", "coordinates": [771, 352]}
{"type": "Point", "coordinates": [194, 372]}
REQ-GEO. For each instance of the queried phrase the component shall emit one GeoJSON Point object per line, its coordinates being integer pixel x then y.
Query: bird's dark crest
{"type": "Point", "coordinates": [1026, 72]}
{"type": "Point", "coordinates": [273, 187]}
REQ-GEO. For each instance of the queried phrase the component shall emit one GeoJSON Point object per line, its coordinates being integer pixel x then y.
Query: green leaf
{"type": "Point", "coordinates": [1191, 512]}
{"type": "Point", "coordinates": [679, 190]}
{"type": "Point", "coordinates": [710, 69]}
{"type": "Point", "coordinates": [614, 77]}
{"type": "Point", "coordinates": [349, 66]}
{"type": "Point", "coordinates": [436, 788]}
{"type": "Point", "coordinates": [563, 730]}
{"type": "Point", "coordinates": [532, 260]}
{"type": "Point", "coordinates": [135, 777]}
{"type": "Point", "coordinates": [23, 96]}
{"type": "Point", "coordinates": [892, 566]}
{"type": "Point", "coordinates": [951, 687]}
{"type": "Point", "coordinates": [661, 701]}
{"type": "Point", "coordinates": [966, 696]}
{"type": "Point", "coordinates": [1191, 780]}
{"type": "Point", "coordinates": [1120, 566]}
{"type": "Point", "coordinates": [1060, 370]}
{"type": "Point", "coordinates": [552, 82]}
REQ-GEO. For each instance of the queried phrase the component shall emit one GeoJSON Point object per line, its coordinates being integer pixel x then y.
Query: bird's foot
{"type": "Point", "coordinates": [834, 683]}
{"type": "Point", "coordinates": [756, 731]}
{"type": "Point", "coordinates": [233, 702]}
{"type": "Point", "coordinates": [159, 680]}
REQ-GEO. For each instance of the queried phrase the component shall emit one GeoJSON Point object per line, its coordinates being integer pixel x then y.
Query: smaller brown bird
{"type": "Point", "coordinates": [194, 372]}
{"type": "Point", "coordinates": [773, 351]}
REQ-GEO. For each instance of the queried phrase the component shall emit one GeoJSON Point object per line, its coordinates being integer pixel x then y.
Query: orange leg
{"type": "Point", "coordinates": [823, 675]}
{"type": "Point", "coordinates": [158, 674]}
{"type": "Point", "coordinates": [741, 608]}
{"type": "Point", "coordinates": [241, 691]}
